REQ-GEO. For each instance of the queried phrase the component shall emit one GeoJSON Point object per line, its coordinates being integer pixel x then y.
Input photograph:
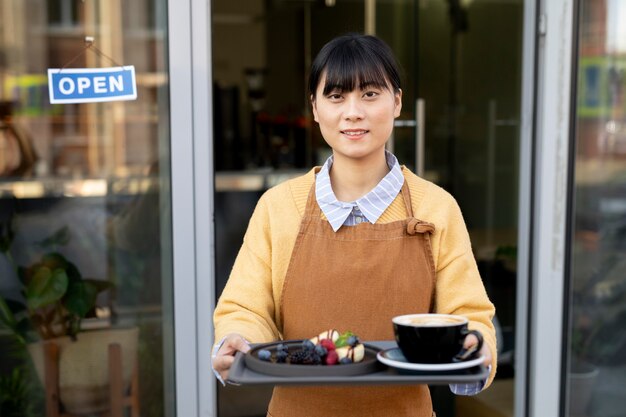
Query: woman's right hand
{"type": "Point", "coordinates": [225, 356]}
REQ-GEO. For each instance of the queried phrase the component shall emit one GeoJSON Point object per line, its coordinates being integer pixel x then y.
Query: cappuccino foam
{"type": "Point", "coordinates": [431, 321]}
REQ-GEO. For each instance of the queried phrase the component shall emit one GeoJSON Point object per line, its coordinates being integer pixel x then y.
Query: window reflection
{"type": "Point", "coordinates": [597, 365]}
{"type": "Point", "coordinates": [86, 181]}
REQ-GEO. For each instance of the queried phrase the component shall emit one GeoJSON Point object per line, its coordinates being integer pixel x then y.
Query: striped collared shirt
{"type": "Point", "coordinates": [367, 208]}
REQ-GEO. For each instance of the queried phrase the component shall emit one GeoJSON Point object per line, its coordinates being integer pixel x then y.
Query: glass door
{"type": "Point", "coordinates": [460, 129]}
{"type": "Point", "coordinates": [595, 372]}
{"type": "Point", "coordinates": [85, 216]}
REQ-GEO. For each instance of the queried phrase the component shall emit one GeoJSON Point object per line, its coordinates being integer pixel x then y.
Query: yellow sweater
{"type": "Point", "coordinates": [250, 302]}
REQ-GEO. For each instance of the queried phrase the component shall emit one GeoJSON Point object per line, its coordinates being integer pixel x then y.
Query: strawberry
{"type": "Point", "coordinates": [331, 357]}
{"type": "Point", "coordinates": [328, 344]}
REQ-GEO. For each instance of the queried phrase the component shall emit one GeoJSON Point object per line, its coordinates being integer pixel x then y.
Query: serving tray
{"type": "Point", "coordinates": [240, 374]}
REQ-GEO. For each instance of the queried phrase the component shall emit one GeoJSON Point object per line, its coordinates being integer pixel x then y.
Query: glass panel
{"type": "Point", "coordinates": [596, 372]}
{"type": "Point", "coordinates": [467, 69]}
{"type": "Point", "coordinates": [397, 22]}
{"type": "Point", "coordinates": [263, 128]}
{"type": "Point", "coordinates": [84, 208]}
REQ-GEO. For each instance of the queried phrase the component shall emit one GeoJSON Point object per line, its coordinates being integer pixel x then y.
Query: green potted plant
{"type": "Point", "coordinates": [56, 299]}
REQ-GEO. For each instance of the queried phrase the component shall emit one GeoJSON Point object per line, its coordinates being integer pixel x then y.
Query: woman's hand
{"type": "Point", "coordinates": [225, 356]}
{"type": "Point", "coordinates": [471, 341]}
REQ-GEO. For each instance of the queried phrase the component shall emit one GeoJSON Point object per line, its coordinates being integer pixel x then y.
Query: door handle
{"type": "Point", "coordinates": [419, 136]}
{"type": "Point", "coordinates": [418, 125]}
{"type": "Point", "coordinates": [405, 123]}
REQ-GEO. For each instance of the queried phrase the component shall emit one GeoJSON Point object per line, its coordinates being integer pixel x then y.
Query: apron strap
{"type": "Point", "coordinates": [312, 209]}
{"type": "Point", "coordinates": [407, 199]}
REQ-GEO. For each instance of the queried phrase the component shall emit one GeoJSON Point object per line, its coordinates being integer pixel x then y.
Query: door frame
{"type": "Point", "coordinates": [525, 217]}
{"type": "Point", "coordinates": [549, 36]}
{"type": "Point", "coordinates": [192, 179]}
{"type": "Point", "coordinates": [544, 149]}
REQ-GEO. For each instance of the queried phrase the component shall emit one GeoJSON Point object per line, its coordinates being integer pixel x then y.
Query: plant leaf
{"type": "Point", "coordinates": [6, 235]}
{"type": "Point", "coordinates": [101, 285]}
{"type": "Point", "coordinates": [15, 306]}
{"type": "Point", "coordinates": [58, 238]}
{"type": "Point", "coordinates": [6, 315]}
{"type": "Point", "coordinates": [54, 260]}
{"type": "Point", "coordinates": [21, 274]}
{"type": "Point", "coordinates": [343, 339]}
{"type": "Point", "coordinates": [46, 287]}
{"type": "Point", "coordinates": [19, 323]}
{"type": "Point", "coordinates": [24, 330]}
{"type": "Point", "coordinates": [80, 297]}
{"type": "Point", "coordinates": [72, 272]}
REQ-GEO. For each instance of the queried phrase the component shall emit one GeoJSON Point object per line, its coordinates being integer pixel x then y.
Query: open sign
{"type": "Point", "coordinates": [86, 85]}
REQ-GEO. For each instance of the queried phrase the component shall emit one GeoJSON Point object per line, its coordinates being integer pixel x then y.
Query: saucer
{"type": "Point", "coordinates": [395, 358]}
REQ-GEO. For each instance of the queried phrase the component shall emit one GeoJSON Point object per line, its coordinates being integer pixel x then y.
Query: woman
{"type": "Point", "coordinates": [352, 244]}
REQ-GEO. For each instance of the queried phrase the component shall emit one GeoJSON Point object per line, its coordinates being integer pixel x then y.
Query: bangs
{"type": "Point", "coordinates": [354, 61]}
{"type": "Point", "coordinates": [353, 68]}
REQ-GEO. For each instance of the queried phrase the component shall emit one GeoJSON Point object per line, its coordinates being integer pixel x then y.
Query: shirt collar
{"type": "Point", "coordinates": [372, 205]}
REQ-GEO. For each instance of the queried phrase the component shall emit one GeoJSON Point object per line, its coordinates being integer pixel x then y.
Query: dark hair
{"type": "Point", "coordinates": [353, 58]}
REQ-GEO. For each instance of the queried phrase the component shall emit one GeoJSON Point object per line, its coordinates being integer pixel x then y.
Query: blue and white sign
{"type": "Point", "coordinates": [88, 85]}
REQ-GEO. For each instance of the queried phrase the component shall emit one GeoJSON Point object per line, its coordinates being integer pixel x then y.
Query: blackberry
{"type": "Point", "coordinates": [297, 357]}
{"type": "Point", "coordinates": [317, 359]}
{"type": "Point", "coordinates": [303, 357]}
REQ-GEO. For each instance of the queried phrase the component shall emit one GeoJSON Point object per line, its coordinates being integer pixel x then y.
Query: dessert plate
{"type": "Point", "coordinates": [368, 365]}
{"type": "Point", "coordinates": [395, 358]}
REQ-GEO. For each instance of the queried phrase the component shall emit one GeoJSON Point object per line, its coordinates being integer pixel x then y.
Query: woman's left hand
{"type": "Point", "coordinates": [471, 341]}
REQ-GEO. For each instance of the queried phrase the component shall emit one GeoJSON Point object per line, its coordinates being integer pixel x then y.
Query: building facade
{"type": "Point", "coordinates": [516, 107]}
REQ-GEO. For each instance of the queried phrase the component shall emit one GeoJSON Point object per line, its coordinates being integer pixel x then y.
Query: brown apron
{"type": "Point", "coordinates": [355, 279]}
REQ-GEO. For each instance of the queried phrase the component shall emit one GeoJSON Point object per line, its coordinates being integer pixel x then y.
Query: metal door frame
{"type": "Point", "coordinates": [549, 31]}
{"type": "Point", "coordinates": [544, 149]}
{"type": "Point", "coordinates": [189, 49]}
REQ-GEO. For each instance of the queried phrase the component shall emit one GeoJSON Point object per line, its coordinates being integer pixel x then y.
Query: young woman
{"type": "Point", "coordinates": [352, 244]}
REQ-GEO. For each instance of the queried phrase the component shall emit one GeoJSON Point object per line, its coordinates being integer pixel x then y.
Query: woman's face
{"type": "Point", "coordinates": [356, 124]}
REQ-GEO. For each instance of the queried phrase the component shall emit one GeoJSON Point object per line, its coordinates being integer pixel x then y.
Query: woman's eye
{"type": "Point", "coordinates": [370, 94]}
{"type": "Point", "coordinates": [334, 96]}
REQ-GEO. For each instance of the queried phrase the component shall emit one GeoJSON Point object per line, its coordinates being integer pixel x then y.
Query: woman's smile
{"type": "Point", "coordinates": [354, 134]}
